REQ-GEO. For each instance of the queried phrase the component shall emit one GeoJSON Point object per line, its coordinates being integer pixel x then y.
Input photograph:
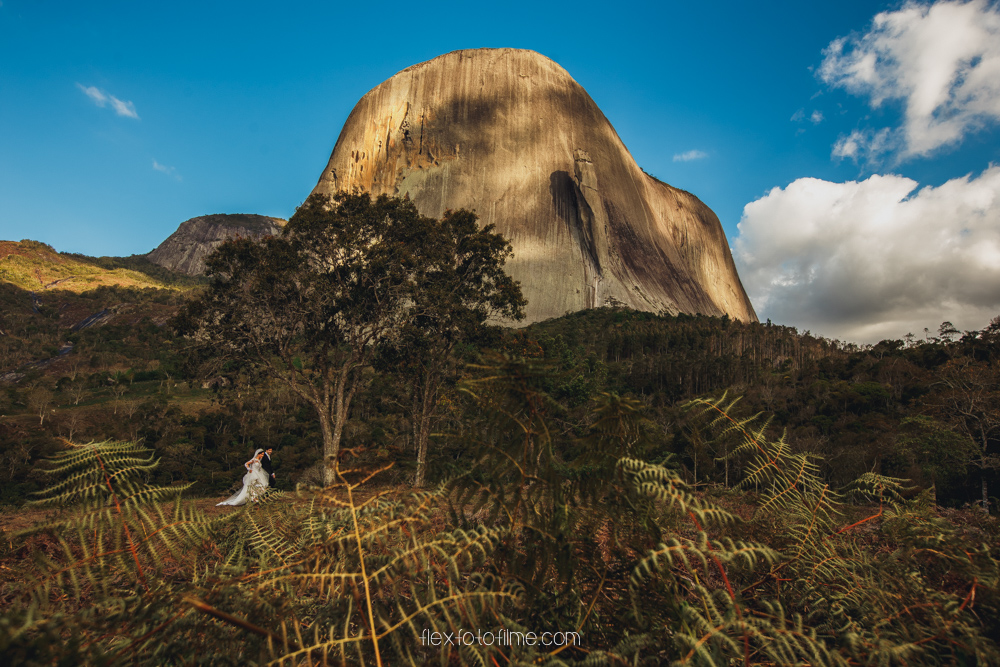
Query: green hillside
{"type": "Point", "coordinates": [37, 267]}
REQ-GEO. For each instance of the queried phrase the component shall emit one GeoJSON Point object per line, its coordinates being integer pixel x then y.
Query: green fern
{"type": "Point", "coordinates": [293, 580]}
{"type": "Point", "coordinates": [357, 581]}
{"type": "Point", "coordinates": [848, 603]}
{"type": "Point", "coordinates": [114, 530]}
{"type": "Point", "coordinates": [649, 569]}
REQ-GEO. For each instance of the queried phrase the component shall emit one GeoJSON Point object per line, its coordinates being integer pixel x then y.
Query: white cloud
{"type": "Point", "coordinates": [690, 155]}
{"type": "Point", "coordinates": [941, 60]}
{"type": "Point", "coordinates": [103, 99]}
{"type": "Point", "coordinates": [850, 146]}
{"type": "Point", "coordinates": [874, 259]}
{"type": "Point", "coordinates": [866, 146]}
{"type": "Point", "coordinates": [169, 171]}
{"type": "Point", "coordinates": [99, 98]}
{"type": "Point", "coordinates": [816, 117]}
{"type": "Point", "coordinates": [121, 108]}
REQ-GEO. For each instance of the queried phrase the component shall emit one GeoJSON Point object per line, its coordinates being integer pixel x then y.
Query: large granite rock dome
{"type": "Point", "coordinates": [510, 134]}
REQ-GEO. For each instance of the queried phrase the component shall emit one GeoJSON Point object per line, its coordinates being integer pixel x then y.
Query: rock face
{"type": "Point", "coordinates": [509, 133]}
{"type": "Point", "coordinates": [185, 250]}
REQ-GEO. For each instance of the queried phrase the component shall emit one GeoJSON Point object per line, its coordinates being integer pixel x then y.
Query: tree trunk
{"type": "Point", "coordinates": [983, 466]}
{"type": "Point", "coordinates": [725, 457]}
{"type": "Point", "coordinates": [424, 435]}
{"type": "Point", "coordinates": [331, 448]}
{"type": "Point", "coordinates": [415, 419]}
{"type": "Point", "coordinates": [423, 424]}
{"type": "Point", "coordinates": [341, 406]}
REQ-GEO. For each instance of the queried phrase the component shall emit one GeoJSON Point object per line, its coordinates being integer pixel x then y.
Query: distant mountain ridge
{"type": "Point", "coordinates": [185, 250]}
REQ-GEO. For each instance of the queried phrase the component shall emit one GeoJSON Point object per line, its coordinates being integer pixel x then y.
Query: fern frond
{"type": "Point", "coordinates": [114, 525]}
{"type": "Point", "coordinates": [665, 487]}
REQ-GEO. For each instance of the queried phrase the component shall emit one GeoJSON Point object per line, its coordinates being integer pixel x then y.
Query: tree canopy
{"type": "Point", "coordinates": [350, 276]}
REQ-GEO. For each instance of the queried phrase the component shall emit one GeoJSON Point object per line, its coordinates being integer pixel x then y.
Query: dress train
{"type": "Point", "coordinates": [254, 485]}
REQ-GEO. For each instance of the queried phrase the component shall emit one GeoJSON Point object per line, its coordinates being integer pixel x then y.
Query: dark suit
{"type": "Point", "coordinates": [265, 463]}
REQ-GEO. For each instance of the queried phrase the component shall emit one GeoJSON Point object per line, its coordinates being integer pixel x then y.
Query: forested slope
{"type": "Point", "coordinates": [919, 409]}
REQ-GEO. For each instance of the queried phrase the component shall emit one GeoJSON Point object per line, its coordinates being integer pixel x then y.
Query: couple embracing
{"type": "Point", "coordinates": [259, 477]}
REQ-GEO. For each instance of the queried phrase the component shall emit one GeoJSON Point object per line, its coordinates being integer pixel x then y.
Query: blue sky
{"type": "Point", "coordinates": [121, 120]}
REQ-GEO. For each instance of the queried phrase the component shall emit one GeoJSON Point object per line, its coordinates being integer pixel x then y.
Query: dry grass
{"type": "Point", "coordinates": [35, 266]}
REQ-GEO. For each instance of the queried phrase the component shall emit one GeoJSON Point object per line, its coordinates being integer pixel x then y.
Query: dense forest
{"type": "Point", "coordinates": [926, 409]}
{"type": "Point", "coordinates": [658, 489]}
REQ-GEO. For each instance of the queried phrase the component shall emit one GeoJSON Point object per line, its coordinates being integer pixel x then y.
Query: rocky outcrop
{"type": "Point", "coordinates": [510, 134]}
{"type": "Point", "coordinates": [185, 250]}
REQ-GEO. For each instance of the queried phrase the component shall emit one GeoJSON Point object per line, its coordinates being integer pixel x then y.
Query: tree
{"type": "Point", "coordinates": [39, 400]}
{"type": "Point", "coordinates": [968, 396]}
{"type": "Point", "coordinates": [72, 422]}
{"type": "Point", "coordinates": [460, 287]}
{"type": "Point", "coordinates": [77, 391]}
{"type": "Point", "coordinates": [311, 307]}
{"type": "Point", "coordinates": [947, 332]}
{"type": "Point", "coordinates": [939, 453]}
{"type": "Point", "coordinates": [118, 390]}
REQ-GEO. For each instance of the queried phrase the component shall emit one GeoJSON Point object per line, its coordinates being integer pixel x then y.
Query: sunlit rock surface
{"type": "Point", "coordinates": [510, 134]}
{"type": "Point", "coordinates": [185, 250]}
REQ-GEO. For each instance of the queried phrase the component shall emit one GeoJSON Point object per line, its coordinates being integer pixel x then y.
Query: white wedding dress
{"type": "Point", "coordinates": [254, 485]}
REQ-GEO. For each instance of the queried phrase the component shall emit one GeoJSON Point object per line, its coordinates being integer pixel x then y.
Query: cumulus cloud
{"type": "Point", "coordinates": [816, 117]}
{"type": "Point", "coordinates": [690, 155]}
{"type": "Point", "coordinates": [941, 60]}
{"type": "Point", "coordinates": [874, 259]}
{"type": "Point", "coordinates": [103, 100]}
{"type": "Point", "coordinates": [169, 171]}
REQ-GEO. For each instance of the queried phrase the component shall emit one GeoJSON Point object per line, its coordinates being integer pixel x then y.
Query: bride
{"type": "Point", "coordinates": [254, 482]}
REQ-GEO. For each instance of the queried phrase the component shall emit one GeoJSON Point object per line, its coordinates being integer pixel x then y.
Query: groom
{"type": "Point", "coordinates": [265, 463]}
